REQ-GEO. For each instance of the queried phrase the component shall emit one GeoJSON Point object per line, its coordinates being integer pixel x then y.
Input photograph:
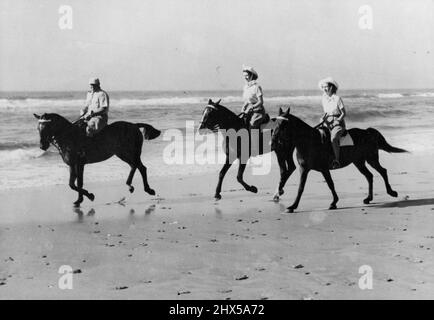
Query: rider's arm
{"type": "Point", "coordinates": [323, 118]}
{"type": "Point", "coordinates": [342, 109]}
{"type": "Point", "coordinates": [86, 104]}
{"type": "Point", "coordinates": [257, 107]}
{"type": "Point", "coordinates": [243, 109]}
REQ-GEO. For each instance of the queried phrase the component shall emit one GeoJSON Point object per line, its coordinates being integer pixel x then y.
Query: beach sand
{"type": "Point", "coordinates": [181, 244]}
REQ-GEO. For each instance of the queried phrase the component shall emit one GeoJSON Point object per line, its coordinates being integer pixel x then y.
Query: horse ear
{"type": "Point", "coordinates": [280, 111]}
{"type": "Point", "coordinates": [287, 111]}
{"type": "Point", "coordinates": [218, 102]}
{"type": "Point", "coordinates": [209, 101]}
{"type": "Point", "coordinates": [36, 116]}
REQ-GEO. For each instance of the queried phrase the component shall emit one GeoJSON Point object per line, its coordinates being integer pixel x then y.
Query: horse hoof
{"type": "Point", "coordinates": [150, 191]}
{"type": "Point", "coordinates": [393, 193]}
{"type": "Point", "coordinates": [333, 207]}
{"type": "Point", "coordinates": [76, 204]}
{"type": "Point", "coordinates": [217, 197]}
{"type": "Point", "coordinates": [253, 189]}
{"type": "Point", "coordinates": [91, 196]}
{"type": "Point", "coordinates": [367, 200]}
{"type": "Point", "coordinates": [131, 189]}
{"type": "Point", "coordinates": [276, 198]}
{"type": "Point", "coordinates": [289, 210]}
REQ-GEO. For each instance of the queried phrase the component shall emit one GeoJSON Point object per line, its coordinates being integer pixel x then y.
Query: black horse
{"type": "Point", "coordinates": [313, 153]}
{"type": "Point", "coordinates": [217, 117]}
{"type": "Point", "coordinates": [123, 139]}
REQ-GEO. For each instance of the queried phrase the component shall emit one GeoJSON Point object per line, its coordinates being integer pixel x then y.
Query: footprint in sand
{"type": "Point", "coordinates": [150, 209]}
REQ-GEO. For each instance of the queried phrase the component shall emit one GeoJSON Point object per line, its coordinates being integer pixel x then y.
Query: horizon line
{"type": "Point", "coordinates": [211, 90]}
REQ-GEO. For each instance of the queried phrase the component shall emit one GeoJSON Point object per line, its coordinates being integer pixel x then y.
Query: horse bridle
{"type": "Point", "coordinates": [206, 107]}
{"type": "Point", "coordinates": [278, 139]}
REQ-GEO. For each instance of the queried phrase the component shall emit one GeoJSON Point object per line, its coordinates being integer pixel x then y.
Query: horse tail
{"type": "Point", "coordinates": [382, 143]}
{"type": "Point", "coordinates": [149, 131]}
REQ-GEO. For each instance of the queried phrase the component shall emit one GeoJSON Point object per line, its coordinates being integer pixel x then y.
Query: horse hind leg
{"type": "Point", "coordinates": [133, 166]}
{"type": "Point", "coordinates": [130, 178]}
{"type": "Point", "coordinates": [375, 163]}
{"type": "Point", "coordinates": [143, 170]}
{"type": "Point", "coordinates": [368, 175]}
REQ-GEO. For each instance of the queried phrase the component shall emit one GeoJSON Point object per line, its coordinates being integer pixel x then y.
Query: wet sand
{"type": "Point", "coordinates": [181, 244]}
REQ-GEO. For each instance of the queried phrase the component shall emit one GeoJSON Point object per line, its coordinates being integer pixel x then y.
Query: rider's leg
{"type": "Point", "coordinates": [336, 134]}
{"type": "Point", "coordinates": [256, 120]}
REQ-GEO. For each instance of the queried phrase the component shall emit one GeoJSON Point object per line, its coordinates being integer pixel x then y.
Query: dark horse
{"type": "Point", "coordinates": [120, 138]}
{"type": "Point", "coordinates": [217, 117]}
{"type": "Point", "coordinates": [312, 153]}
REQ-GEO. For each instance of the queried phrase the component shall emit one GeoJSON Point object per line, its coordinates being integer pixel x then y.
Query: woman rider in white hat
{"type": "Point", "coordinates": [334, 114]}
{"type": "Point", "coordinates": [253, 99]}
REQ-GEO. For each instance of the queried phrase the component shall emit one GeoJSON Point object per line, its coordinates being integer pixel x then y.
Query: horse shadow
{"type": "Point", "coordinates": [397, 204]}
{"type": "Point", "coordinates": [406, 203]}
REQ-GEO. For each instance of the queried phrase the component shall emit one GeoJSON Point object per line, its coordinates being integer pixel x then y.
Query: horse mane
{"type": "Point", "coordinates": [229, 115]}
{"type": "Point", "coordinates": [306, 129]}
{"type": "Point", "coordinates": [55, 117]}
{"type": "Point", "coordinates": [226, 110]}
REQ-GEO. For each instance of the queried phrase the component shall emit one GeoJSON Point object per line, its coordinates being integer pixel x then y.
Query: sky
{"type": "Point", "coordinates": [202, 44]}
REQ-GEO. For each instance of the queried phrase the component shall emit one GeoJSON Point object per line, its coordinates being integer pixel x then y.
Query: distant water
{"type": "Point", "coordinates": [404, 116]}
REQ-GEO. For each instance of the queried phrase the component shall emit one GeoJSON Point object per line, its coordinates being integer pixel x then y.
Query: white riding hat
{"type": "Point", "coordinates": [94, 81]}
{"type": "Point", "coordinates": [328, 80]}
{"type": "Point", "coordinates": [251, 70]}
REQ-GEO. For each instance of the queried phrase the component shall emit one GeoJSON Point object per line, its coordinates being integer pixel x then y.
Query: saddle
{"type": "Point", "coordinates": [345, 140]}
{"type": "Point", "coordinates": [262, 126]}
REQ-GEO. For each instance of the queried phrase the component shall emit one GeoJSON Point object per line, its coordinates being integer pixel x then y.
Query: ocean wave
{"type": "Point", "coordinates": [362, 114]}
{"type": "Point", "coordinates": [390, 95]}
{"type": "Point", "coordinates": [6, 156]}
{"type": "Point", "coordinates": [423, 94]}
{"type": "Point", "coordinates": [49, 104]}
{"type": "Point", "coordinates": [17, 145]}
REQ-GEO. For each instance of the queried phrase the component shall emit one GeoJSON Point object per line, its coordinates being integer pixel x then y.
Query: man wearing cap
{"type": "Point", "coordinates": [95, 111]}
{"type": "Point", "coordinates": [253, 98]}
{"type": "Point", "coordinates": [334, 113]}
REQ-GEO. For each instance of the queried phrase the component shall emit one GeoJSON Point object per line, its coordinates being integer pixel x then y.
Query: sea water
{"type": "Point", "coordinates": [405, 117]}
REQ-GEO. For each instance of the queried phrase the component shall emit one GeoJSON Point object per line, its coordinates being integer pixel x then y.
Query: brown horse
{"type": "Point", "coordinates": [123, 139]}
{"type": "Point", "coordinates": [314, 154]}
{"type": "Point", "coordinates": [216, 117]}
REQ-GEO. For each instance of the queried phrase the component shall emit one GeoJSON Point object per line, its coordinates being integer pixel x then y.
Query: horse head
{"type": "Point", "coordinates": [280, 132]}
{"type": "Point", "coordinates": [211, 116]}
{"type": "Point", "coordinates": [49, 125]}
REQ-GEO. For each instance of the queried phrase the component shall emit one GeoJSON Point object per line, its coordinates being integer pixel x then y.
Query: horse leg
{"type": "Point", "coordinates": [240, 179]}
{"type": "Point", "coordinates": [79, 172]}
{"type": "Point", "coordinates": [130, 178]}
{"type": "Point", "coordinates": [72, 178]}
{"type": "Point", "coordinates": [133, 166]}
{"type": "Point", "coordinates": [80, 190]}
{"type": "Point", "coordinates": [222, 174]}
{"type": "Point", "coordinates": [375, 163]}
{"type": "Point", "coordinates": [363, 170]}
{"type": "Point", "coordinates": [143, 170]}
{"type": "Point", "coordinates": [287, 167]}
{"type": "Point", "coordinates": [328, 178]}
{"type": "Point", "coordinates": [303, 177]}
